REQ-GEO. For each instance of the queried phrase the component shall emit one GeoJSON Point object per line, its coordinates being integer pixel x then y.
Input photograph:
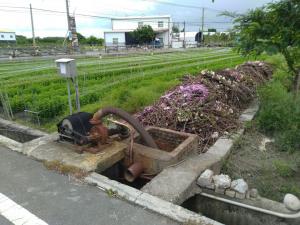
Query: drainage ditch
{"type": "Point", "coordinates": [16, 134]}
{"type": "Point", "coordinates": [231, 214]}
{"type": "Point", "coordinates": [116, 172]}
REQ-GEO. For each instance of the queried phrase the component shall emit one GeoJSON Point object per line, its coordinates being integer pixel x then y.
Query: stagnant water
{"type": "Point", "coordinates": [232, 215]}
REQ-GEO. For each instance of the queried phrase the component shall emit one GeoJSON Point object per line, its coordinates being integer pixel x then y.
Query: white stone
{"type": "Point", "coordinates": [240, 195]}
{"type": "Point", "coordinates": [247, 194]}
{"type": "Point", "coordinates": [291, 202]}
{"type": "Point", "coordinates": [230, 193]}
{"type": "Point", "coordinates": [253, 193]}
{"type": "Point", "coordinates": [205, 178]}
{"type": "Point", "coordinates": [220, 190]}
{"type": "Point", "coordinates": [211, 187]}
{"type": "Point", "coordinates": [222, 181]}
{"type": "Point", "coordinates": [239, 186]}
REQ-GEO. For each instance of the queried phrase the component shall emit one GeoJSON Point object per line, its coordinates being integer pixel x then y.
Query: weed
{"type": "Point", "coordinates": [111, 193]}
{"type": "Point", "coordinates": [280, 116]}
{"type": "Point", "coordinates": [283, 169]}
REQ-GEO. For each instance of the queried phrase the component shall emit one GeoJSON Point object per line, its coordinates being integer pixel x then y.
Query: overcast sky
{"type": "Point", "coordinates": [50, 24]}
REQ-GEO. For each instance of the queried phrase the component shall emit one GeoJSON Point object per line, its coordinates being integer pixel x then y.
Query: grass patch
{"type": "Point", "coordinates": [283, 168]}
{"type": "Point", "coordinates": [273, 172]}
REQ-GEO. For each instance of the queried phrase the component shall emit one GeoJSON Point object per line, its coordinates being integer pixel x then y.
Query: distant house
{"type": "Point", "coordinates": [7, 36]}
{"type": "Point", "coordinates": [121, 26]}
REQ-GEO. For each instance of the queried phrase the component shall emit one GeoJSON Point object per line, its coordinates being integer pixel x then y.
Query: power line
{"type": "Point", "coordinates": [55, 11]}
{"type": "Point", "coordinates": [181, 5]}
{"type": "Point", "coordinates": [102, 17]}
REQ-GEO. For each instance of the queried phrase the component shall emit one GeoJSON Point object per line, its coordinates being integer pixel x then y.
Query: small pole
{"type": "Point", "coordinates": [77, 95]}
{"type": "Point", "coordinates": [69, 96]}
{"type": "Point", "coordinates": [169, 33]}
{"type": "Point", "coordinates": [202, 26]}
{"type": "Point", "coordinates": [32, 27]}
{"type": "Point", "coordinates": [69, 24]}
{"type": "Point", "coordinates": [184, 44]}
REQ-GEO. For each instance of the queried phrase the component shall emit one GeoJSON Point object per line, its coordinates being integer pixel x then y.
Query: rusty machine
{"type": "Point", "coordinates": [146, 154]}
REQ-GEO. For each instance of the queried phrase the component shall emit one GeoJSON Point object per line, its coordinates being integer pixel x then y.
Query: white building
{"type": "Point", "coordinates": [186, 39]}
{"type": "Point", "coordinates": [6, 35]}
{"type": "Point", "coordinates": [121, 26]}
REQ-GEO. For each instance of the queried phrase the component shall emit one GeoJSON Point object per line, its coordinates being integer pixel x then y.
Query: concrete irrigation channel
{"type": "Point", "coordinates": [174, 186]}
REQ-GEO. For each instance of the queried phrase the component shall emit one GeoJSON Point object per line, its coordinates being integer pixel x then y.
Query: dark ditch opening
{"type": "Point", "coordinates": [116, 172]}
{"type": "Point", "coordinates": [231, 214]}
{"type": "Point", "coordinates": [165, 141]}
{"type": "Point", "coordinates": [17, 134]}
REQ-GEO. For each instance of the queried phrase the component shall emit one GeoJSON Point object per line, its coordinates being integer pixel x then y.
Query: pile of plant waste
{"type": "Point", "coordinates": [208, 104]}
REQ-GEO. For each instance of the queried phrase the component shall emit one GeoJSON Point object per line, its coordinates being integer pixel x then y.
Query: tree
{"type": "Point", "coordinates": [274, 28]}
{"type": "Point", "coordinates": [144, 34]}
{"type": "Point", "coordinates": [175, 29]}
{"type": "Point", "coordinates": [92, 40]}
{"type": "Point", "coordinates": [22, 40]}
{"type": "Point", "coordinates": [81, 38]}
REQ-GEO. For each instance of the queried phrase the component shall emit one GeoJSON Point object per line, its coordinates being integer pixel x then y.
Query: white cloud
{"type": "Point", "coordinates": [52, 24]}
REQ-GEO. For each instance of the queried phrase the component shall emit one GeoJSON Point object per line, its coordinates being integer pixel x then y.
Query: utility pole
{"type": "Point", "coordinates": [69, 25]}
{"type": "Point", "coordinates": [184, 44]}
{"type": "Point", "coordinates": [32, 27]}
{"type": "Point", "coordinates": [202, 26]}
{"type": "Point", "coordinates": [169, 32]}
{"type": "Point", "coordinates": [72, 33]}
{"type": "Point", "coordinates": [68, 16]}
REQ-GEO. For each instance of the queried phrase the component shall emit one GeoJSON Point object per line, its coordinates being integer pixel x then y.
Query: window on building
{"type": "Point", "coordinates": [140, 24]}
{"type": "Point", "coordinates": [115, 41]}
{"type": "Point", "coordinates": [2, 36]}
{"type": "Point", "coordinates": [161, 41]}
{"type": "Point", "coordinates": [11, 36]}
{"type": "Point", "coordinates": [160, 23]}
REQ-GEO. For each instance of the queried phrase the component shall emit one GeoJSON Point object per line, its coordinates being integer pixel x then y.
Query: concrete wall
{"type": "Point", "coordinates": [234, 215]}
{"type": "Point", "coordinates": [109, 36]}
{"type": "Point", "coordinates": [177, 44]}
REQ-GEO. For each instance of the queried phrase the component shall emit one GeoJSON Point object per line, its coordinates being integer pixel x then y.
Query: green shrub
{"type": "Point", "coordinates": [289, 140]}
{"type": "Point", "coordinates": [276, 108]}
{"type": "Point", "coordinates": [280, 115]}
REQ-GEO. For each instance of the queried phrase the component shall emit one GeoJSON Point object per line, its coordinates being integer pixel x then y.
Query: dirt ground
{"type": "Point", "coordinates": [273, 172]}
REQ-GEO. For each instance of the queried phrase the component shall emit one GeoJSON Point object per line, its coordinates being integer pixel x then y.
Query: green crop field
{"type": "Point", "coordinates": [129, 82]}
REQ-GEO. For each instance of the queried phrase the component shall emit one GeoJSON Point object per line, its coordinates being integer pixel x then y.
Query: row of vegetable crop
{"type": "Point", "coordinates": [101, 64]}
{"type": "Point", "coordinates": [98, 75]}
{"type": "Point", "coordinates": [94, 79]}
{"type": "Point", "coordinates": [21, 65]}
{"type": "Point", "coordinates": [54, 105]}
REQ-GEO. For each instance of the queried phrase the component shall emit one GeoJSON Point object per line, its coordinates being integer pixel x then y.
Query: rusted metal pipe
{"type": "Point", "coordinates": [133, 172]}
{"type": "Point", "coordinates": [129, 119]}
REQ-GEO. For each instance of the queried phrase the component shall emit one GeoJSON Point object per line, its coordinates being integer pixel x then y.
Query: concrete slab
{"type": "Point", "coordinates": [48, 149]}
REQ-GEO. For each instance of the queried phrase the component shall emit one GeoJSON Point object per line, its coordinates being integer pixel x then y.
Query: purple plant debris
{"type": "Point", "coordinates": [208, 104]}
